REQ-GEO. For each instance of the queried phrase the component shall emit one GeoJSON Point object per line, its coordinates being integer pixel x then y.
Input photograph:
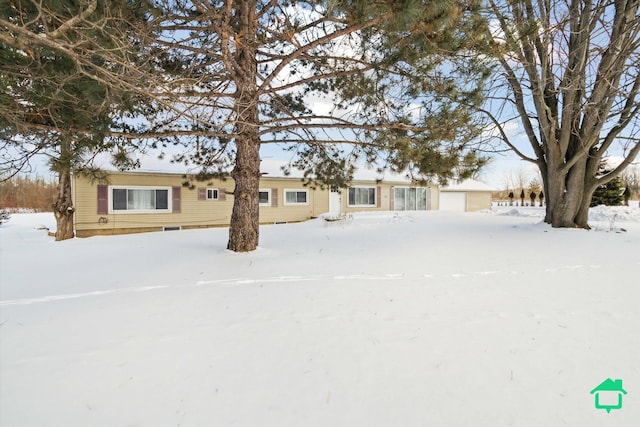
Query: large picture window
{"type": "Point", "coordinates": [296, 197]}
{"type": "Point", "coordinates": [362, 196]}
{"type": "Point", "coordinates": [141, 199]}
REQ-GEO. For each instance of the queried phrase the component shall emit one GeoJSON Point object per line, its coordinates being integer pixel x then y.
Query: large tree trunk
{"type": "Point", "coordinates": [568, 196]}
{"type": "Point", "coordinates": [63, 207]}
{"type": "Point", "coordinates": [590, 185]}
{"type": "Point", "coordinates": [563, 192]}
{"type": "Point", "coordinates": [243, 229]}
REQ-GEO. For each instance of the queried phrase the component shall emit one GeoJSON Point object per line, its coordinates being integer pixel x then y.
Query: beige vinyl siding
{"type": "Point", "coordinates": [194, 213]}
{"type": "Point", "coordinates": [318, 202]}
{"type": "Point", "coordinates": [382, 197]}
{"type": "Point", "coordinates": [384, 193]}
{"type": "Point", "coordinates": [475, 200]}
{"type": "Point", "coordinates": [478, 200]}
{"type": "Point", "coordinates": [434, 201]}
{"type": "Point", "coordinates": [197, 213]}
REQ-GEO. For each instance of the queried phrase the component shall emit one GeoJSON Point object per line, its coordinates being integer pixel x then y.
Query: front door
{"type": "Point", "coordinates": [335, 202]}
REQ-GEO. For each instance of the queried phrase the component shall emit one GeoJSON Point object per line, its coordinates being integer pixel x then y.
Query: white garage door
{"type": "Point", "coordinates": [453, 201]}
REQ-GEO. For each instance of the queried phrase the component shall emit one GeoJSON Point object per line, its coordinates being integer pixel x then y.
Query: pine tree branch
{"type": "Point", "coordinates": [73, 22]}
{"type": "Point", "coordinates": [349, 29]}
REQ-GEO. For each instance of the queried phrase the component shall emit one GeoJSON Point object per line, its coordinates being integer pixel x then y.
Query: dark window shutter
{"type": "Point", "coordinates": [103, 199]}
{"type": "Point", "coordinates": [378, 196]}
{"type": "Point", "coordinates": [222, 194]}
{"type": "Point", "coordinates": [202, 194]}
{"type": "Point", "coordinates": [176, 199]}
{"type": "Point", "coordinates": [274, 197]}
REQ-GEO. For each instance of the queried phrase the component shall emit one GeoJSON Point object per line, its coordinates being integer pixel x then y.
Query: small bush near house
{"type": "Point", "coordinates": [4, 216]}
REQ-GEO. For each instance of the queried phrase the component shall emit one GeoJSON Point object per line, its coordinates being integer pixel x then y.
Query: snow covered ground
{"type": "Point", "coordinates": [406, 319]}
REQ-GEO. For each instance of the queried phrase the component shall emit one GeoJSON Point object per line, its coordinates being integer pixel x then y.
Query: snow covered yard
{"type": "Point", "coordinates": [407, 319]}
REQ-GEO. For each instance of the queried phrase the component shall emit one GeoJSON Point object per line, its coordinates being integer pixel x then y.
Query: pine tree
{"type": "Point", "coordinates": [610, 193]}
{"type": "Point", "coordinates": [398, 96]}
{"type": "Point", "coordinates": [59, 67]}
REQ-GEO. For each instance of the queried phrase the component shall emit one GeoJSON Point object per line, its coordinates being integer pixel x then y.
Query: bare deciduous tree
{"type": "Point", "coordinates": [570, 75]}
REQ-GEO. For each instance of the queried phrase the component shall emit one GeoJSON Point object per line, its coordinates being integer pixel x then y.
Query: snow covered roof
{"type": "Point", "coordinates": [273, 168]}
{"type": "Point", "coordinates": [468, 185]}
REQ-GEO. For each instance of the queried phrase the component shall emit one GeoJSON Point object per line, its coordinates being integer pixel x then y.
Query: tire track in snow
{"type": "Point", "coordinates": [49, 298]}
{"type": "Point", "coordinates": [283, 279]}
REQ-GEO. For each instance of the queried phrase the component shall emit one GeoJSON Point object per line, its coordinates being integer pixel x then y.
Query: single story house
{"type": "Point", "coordinates": [465, 196]}
{"type": "Point", "coordinates": [135, 202]}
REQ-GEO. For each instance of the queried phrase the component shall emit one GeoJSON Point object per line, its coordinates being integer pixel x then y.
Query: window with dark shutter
{"type": "Point", "coordinates": [212, 194]}
{"type": "Point", "coordinates": [139, 199]}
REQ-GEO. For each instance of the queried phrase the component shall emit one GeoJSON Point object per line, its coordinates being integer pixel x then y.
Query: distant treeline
{"type": "Point", "coordinates": [521, 192]}
{"type": "Point", "coordinates": [26, 193]}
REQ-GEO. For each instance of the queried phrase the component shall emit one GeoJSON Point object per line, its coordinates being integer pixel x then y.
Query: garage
{"type": "Point", "coordinates": [453, 201]}
{"type": "Point", "coordinates": [466, 196]}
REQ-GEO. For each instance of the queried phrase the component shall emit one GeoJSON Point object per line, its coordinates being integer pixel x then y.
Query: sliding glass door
{"type": "Point", "coordinates": [410, 199]}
